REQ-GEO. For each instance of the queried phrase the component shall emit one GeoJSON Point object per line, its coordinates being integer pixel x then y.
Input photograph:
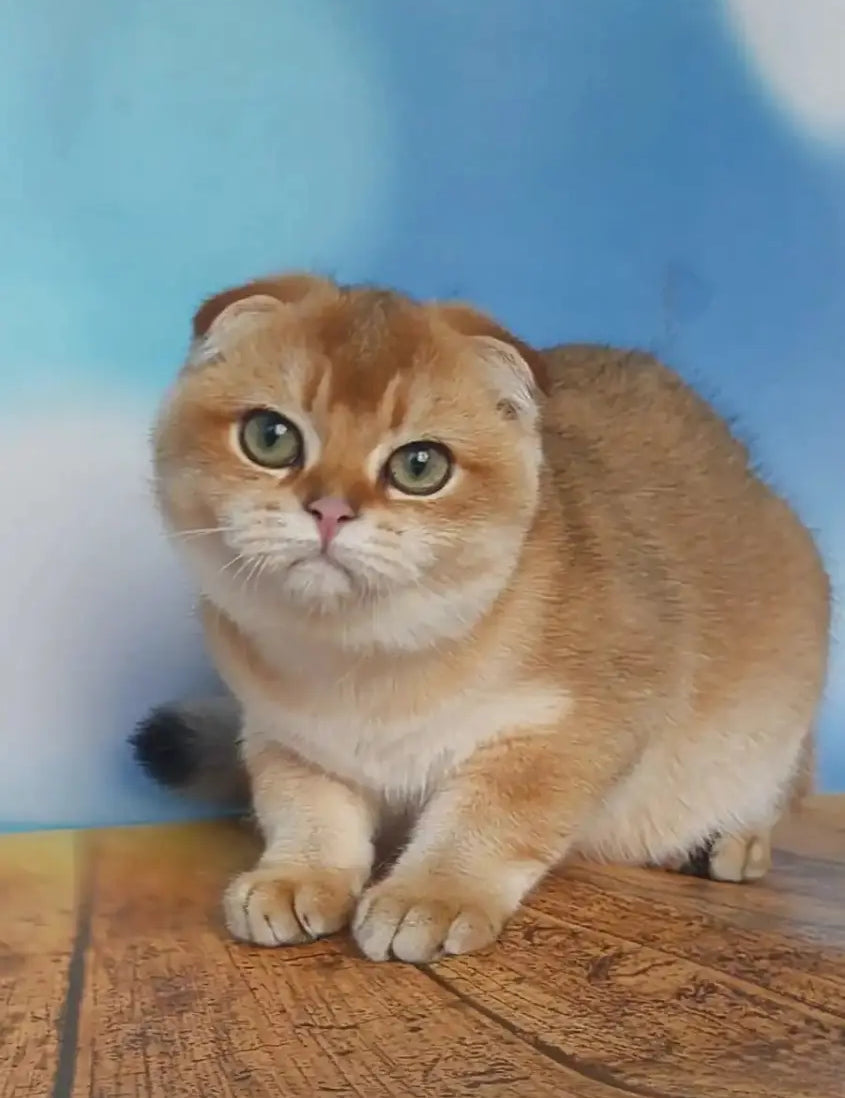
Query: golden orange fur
{"type": "Point", "coordinates": [604, 635]}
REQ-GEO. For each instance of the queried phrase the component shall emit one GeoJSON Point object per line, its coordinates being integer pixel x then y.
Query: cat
{"type": "Point", "coordinates": [539, 602]}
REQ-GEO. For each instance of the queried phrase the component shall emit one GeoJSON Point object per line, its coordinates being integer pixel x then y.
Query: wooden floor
{"type": "Point", "coordinates": [117, 981]}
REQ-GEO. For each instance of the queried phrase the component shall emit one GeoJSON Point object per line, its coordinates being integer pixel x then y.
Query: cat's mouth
{"type": "Point", "coordinates": [321, 562]}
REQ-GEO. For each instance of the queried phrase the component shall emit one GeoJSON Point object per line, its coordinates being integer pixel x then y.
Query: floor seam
{"type": "Point", "coordinates": [68, 1023]}
{"type": "Point", "coordinates": [594, 1073]}
{"type": "Point", "coordinates": [822, 1015]}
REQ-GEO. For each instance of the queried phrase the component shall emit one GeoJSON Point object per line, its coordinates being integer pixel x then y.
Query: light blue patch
{"type": "Point", "coordinates": [154, 152]}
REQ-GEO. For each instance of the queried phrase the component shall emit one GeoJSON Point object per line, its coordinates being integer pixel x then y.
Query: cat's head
{"type": "Point", "coordinates": [333, 448]}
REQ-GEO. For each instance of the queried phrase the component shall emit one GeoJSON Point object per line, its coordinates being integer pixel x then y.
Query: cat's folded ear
{"type": "Point", "coordinates": [227, 316]}
{"type": "Point", "coordinates": [258, 296]}
{"type": "Point", "coordinates": [518, 370]}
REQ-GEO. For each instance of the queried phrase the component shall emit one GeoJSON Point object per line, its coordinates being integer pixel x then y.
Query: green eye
{"type": "Point", "coordinates": [270, 440]}
{"type": "Point", "coordinates": [419, 468]}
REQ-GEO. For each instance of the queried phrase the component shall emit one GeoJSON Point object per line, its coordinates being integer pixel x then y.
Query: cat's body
{"type": "Point", "coordinates": [603, 634]}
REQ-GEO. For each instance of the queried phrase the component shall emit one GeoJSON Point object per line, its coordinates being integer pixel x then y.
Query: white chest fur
{"type": "Point", "coordinates": [362, 735]}
{"type": "Point", "coordinates": [393, 723]}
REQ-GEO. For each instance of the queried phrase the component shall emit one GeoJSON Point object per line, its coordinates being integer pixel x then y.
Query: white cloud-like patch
{"type": "Point", "coordinates": [798, 49]}
{"type": "Point", "coordinates": [96, 615]}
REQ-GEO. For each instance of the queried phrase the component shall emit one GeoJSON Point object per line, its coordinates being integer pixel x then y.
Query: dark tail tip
{"type": "Point", "coordinates": [165, 747]}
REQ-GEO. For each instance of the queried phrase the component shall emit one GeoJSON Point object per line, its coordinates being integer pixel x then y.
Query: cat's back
{"type": "Point", "coordinates": [697, 592]}
{"type": "Point", "coordinates": [635, 414]}
{"type": "Point", "coordinates": [656, 475]}
{"type": "Point", "coordinates": [624, 427]}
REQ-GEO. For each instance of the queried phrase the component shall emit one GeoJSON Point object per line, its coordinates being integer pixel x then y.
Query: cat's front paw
{"type": "Point", "coordinates": [280, 905]}
{"type": "Point", "coordinates": [420, 918]}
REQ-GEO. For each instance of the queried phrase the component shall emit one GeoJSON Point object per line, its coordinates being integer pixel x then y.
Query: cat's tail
{"type": "Point", "coordinates": [192, 747]}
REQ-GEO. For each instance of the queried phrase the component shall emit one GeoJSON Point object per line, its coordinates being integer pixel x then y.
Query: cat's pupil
{"type": "Point", "coordinates": [418, 463]}
{"type": "Point", "coordinates": [273, 432]}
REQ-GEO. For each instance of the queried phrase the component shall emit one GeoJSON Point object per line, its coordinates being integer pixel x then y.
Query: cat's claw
{"type": "Point", "coordinates": [274, 907]}
{"type": "Point", "coordinates": [419, 922]}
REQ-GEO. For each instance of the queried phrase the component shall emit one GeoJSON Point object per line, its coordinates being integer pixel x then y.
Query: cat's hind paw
{"type": "Point", "coordinates": [736, 858]}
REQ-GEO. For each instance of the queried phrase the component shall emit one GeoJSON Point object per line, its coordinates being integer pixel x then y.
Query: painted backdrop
{"type": "Point", "coordinates": [648, 172]}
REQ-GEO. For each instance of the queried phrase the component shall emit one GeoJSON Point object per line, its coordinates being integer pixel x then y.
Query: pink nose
{"type": "Point", "coordinates": [330, 512]}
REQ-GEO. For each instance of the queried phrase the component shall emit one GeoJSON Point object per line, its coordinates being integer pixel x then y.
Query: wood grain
{"type": "Point", "coordinates": [118, 981]}
{"type": "Point", "coordinates": [38, 928]}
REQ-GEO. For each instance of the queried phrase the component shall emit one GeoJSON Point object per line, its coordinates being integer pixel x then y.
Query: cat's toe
{"type": "Point", "coordinates": [271, 907]}
{"type": "Point", "coordinates": [419, 923]}
{"type": "Point", "coordinates": [741, 857]}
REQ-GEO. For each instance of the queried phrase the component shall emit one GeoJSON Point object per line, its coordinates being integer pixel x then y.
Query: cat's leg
{"type": "Point", "coordinates": [484, 839]}
{"type": "Point", "coordinates": [746, 855]}
{"type": "Point", "coordinates": [317, 858]}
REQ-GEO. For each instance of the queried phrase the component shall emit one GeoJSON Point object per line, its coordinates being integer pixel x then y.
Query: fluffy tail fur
{"type": "Point", "coordinates": [192, 747]}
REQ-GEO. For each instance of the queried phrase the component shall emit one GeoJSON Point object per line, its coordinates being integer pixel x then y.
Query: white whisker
{"type": "Point", "coordinates": [238, 557]}
{"type": "Point", "coordinates": [246, 562]}
{"type": "Point", "coordinates": [254, 572]}
{"type": "Point", "coordinates": [201, 532]}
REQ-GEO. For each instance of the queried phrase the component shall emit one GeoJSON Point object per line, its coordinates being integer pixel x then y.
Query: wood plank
{"type": "Point", "coordinates": [38, 923]}
{"type": "Point", "coordinates": [760, 951]}
{"type": "Point", "coordinates": [172, 1008]}
{"type": "Point", "coordinates": [612, 982]}
{"type": "Point", "coordinates": [655, 1023]}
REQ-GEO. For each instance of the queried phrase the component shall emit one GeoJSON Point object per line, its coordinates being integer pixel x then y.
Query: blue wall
{"type": "Point", "coordinates": [648, 172]}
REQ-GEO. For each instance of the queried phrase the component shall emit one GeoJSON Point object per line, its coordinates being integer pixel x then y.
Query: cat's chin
{"type": "Point", "coordinates": [318, 582]}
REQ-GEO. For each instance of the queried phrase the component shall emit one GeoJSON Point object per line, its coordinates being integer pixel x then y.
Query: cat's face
{"type": "Point", "coordinates": [333, 448]}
